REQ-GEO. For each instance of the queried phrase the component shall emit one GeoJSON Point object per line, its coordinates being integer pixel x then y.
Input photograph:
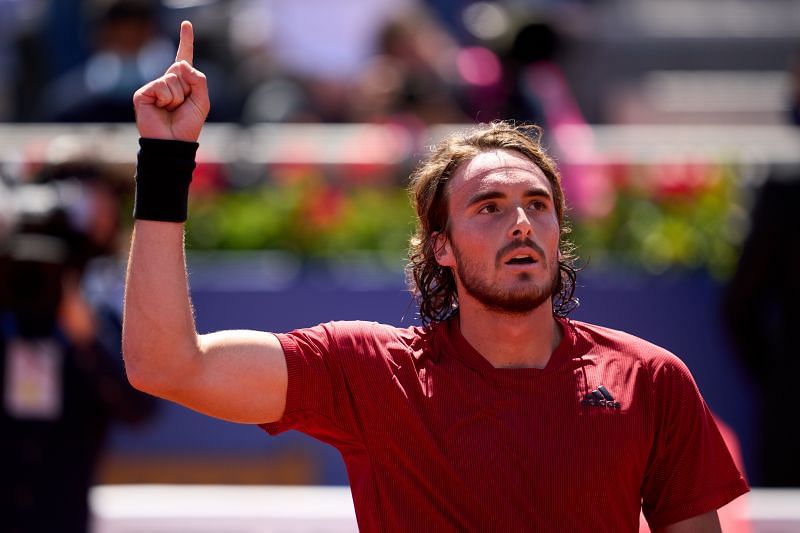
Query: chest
{"type": "Point", "coordinates": [515, 430]}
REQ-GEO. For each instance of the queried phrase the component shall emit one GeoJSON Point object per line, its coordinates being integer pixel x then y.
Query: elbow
{"type": "Point", "coordinates": [149, 370]}
{"type": "Point", "coordinates": [138, 382]}
{"type": "Point", "coordinates": [137, 373]}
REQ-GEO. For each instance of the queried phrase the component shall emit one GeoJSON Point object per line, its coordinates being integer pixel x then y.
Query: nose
{"type": "Point", "coordinates": [522, 224]}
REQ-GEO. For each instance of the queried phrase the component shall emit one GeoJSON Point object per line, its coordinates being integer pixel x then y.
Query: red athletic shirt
{"type": "Point", "coordinates": [436, 439]}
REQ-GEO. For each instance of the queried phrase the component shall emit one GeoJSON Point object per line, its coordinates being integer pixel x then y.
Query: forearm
{"type": "Point", "coordinates": [239, 376]}
{"type": "Point", "coordinates": [159, 338]}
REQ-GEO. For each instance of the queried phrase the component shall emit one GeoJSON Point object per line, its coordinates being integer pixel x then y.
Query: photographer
{"type": "Point", "coordinates": [61, 374]}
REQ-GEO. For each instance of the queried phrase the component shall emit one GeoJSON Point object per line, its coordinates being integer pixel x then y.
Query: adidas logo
{"type": "Point", "coordinates": [600, 397]}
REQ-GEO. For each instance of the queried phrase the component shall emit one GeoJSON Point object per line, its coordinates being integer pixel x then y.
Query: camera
{"type": "Point", "coordinates": [47, 230]}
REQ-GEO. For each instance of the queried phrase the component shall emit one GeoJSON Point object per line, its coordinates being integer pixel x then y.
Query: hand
{"type": "Point", "coordinates": [75, 315]}
{"type": "Point", "coordinates": [174, 106]}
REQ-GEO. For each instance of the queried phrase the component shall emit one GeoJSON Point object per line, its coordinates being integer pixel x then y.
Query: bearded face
{"type": "Point", "coordinates": [503, 233]}
{"type": "Point", "coordinates": [520, 298]}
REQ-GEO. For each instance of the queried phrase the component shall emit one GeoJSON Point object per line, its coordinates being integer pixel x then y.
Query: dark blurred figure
{"type": "Point", "coordinates": [762, 309]}
{"type": "Point", "coordinates": [794, 109]}
{"type": "Point", "coordinates": [531, 56]}
{"type": "Point", "coordinates": [127, 48]}
{"type": "Point", "coordinates": [407, 80]}
{"type": "Point", "coordinates": [48, 38]}
{"type": "Point", "coordinates": [81, 60]}
{"type": "Point", "coordinates": [532, 86]}
{"type": "Point", "coordinates": [8, 66]}
{"type": "Point", "coordinates": [61, 373]}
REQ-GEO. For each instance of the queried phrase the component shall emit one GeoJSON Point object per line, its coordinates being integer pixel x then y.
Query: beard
{"type": "Point", "coordinates": [506, 301]}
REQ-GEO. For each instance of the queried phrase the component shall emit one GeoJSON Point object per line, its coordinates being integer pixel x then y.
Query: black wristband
{"type": "Point", "coordinates": [163, 174]}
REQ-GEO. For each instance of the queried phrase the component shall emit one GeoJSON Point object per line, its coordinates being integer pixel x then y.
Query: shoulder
{"type": "Point", "coordinates": [361, 331]}
{"type": "Point", "coordinates": [653, 378]}
{"type": "Point", "coordinates": [621, 345]}
{"type": "Point", "coordinates": [357, 338]}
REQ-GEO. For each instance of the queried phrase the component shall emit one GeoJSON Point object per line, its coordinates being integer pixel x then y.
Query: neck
{"type": "Point", "coordinates": [511, 341]}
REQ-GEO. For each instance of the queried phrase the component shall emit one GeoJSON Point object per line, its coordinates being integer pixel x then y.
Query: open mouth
{"type": "Point", "coordinates": [521, 260]}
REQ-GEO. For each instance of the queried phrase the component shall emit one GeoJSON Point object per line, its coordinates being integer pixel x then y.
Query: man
{"type": "Point", "coordinates": [62, 383]}
{"type": "Point", "coordinates": [498, 414]}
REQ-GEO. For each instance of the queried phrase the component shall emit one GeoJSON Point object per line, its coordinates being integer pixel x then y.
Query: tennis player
{"type": "Point", "coordinates": [498, 413]}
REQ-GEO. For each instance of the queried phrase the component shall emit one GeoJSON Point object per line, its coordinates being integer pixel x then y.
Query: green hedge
{"type": "Point", "coordinates": [655, 223]}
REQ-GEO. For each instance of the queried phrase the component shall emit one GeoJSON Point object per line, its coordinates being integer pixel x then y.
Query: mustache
{"type": "Point", "coordinates": [521, 243]}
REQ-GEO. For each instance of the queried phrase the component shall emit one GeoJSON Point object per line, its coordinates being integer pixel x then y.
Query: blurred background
{"type": "Point", "coordinates": [674, 122]}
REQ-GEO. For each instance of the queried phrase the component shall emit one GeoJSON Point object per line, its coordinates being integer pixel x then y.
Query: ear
{"type": "Point", "coordinates": [442, 249]}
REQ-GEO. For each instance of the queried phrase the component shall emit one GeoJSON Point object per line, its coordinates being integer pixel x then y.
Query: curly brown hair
{"type": "Point", "coordinates": [433, 285]}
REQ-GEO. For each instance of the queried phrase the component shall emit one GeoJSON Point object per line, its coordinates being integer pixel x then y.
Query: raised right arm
{"type": "Point", "coordinates": [238, 376]}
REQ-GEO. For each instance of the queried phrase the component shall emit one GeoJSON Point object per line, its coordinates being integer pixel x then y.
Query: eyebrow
{"type": "Point", "coordinates": [495, 195]}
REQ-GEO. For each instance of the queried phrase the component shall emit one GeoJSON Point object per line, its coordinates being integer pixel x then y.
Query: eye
{"type": "Point", "coordinates": [488, 208]}
{"type": "Point", "coordinates": [538, 205]}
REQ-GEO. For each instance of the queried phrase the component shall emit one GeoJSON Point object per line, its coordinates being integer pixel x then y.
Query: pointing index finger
{"type": "Point", "coordinates": [186, 44]}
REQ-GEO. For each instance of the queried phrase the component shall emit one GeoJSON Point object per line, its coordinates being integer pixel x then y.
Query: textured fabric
{"type": "Point", "coordinates": [436, 439]}
{"type": "Point", "coordinates": [163, 174]}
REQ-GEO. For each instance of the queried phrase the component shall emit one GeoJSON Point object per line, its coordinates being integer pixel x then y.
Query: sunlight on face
{"type": "Point", "coordinates": [503, 234]}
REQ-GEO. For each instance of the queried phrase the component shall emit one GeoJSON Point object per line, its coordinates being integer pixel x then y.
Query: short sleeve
{"type": "Point", "coordinates": [690, 470]}
{"type": "Point", "coordinates": [317, 399]}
